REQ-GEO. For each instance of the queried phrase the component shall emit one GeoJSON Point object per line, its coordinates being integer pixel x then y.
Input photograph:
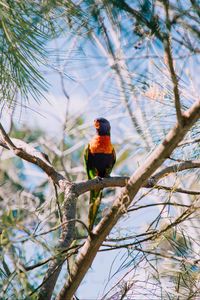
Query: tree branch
{"type": "Point", "coordinates": [193, 262]}
{"type": "Point", "coordinates": [66, 238]}
{"type": "Point", "coordinates": [190, 164]}
{"type": "Point", "coordinates": [189, 142]}
{"type": "Point", "coordinates": [117, 181]}
{"type": "Point", "coordinates": [30, 154]}
{"type": "Point", "coordinates": [170, 62]}
{"type": "Point", "coordinates": [176, 190]}
{"type": "Point", "coordinates": [5, 138]}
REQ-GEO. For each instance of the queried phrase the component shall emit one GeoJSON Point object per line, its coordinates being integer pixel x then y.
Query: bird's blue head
{"type": "Point", "coordinates": [102, 126]}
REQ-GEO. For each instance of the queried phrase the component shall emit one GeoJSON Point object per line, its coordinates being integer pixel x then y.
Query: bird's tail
{"type": "Point", "coordinates": [95, 200]}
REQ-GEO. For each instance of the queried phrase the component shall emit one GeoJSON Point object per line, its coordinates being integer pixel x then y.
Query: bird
{"type": "Point", "coordinates": [99, 159]}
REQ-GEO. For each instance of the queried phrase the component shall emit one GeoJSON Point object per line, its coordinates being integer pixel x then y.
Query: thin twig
{"type": "Point", "coordinates": [170, 62]}
{"type": "Point", "coordinates": [192, 262]}
{"type": "Point", "coordinates": [176, 190]}
{"type": "Point", "coordinates": [189, 142]}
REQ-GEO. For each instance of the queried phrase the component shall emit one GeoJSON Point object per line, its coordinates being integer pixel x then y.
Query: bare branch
{"type": "Point", "coordinates": [117, 181]}
{"type": "Point", "coordinates": [176, 190]}
{"type": "Point", "coordinates": [170, 62]}
{"type": "Point", "coordinates": [85, 186]}
{"type": "Point", "coordinates": [66, 238]}
{"type": "Point", "coordinates": [189, 142]}
{"type": "Point", "coordinates": [5, 138]}
{"type": "Point", "coordinates": [190, 164]}
{"type": "Point", "coordinates": [131, 237]}
{"type": "Point", "coordinates": [45, 261]}
{"type": "Point", "coordinates": [193, 262]}
{"type": "Point", "coordinates": [157, 204]}
{"type": "Point", "coordinates": [30, 154]}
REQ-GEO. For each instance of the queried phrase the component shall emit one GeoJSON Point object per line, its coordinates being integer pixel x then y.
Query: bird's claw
{"type": "Point", "coordinates": [98, 178]}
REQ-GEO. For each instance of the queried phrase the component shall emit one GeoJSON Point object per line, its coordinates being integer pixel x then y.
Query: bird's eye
{"type": "Point", "coordinates": [96, 124]}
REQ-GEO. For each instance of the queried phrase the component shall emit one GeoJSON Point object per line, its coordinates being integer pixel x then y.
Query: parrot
{"type": "Point", "coordinates": [99, 159]}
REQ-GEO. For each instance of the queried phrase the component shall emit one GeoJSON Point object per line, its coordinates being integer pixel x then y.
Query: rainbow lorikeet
{"type": "Point", "coordinates": [99, 160]}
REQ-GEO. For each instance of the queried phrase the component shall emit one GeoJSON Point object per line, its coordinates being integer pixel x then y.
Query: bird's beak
{"type": "Point", "coordinates": [96, 124]}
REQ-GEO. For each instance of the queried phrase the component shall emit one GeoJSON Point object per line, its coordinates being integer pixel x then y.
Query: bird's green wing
{"type": "Point", "coordinates": [91, 172]}
{"type": "Point", "coordinates": [86, 153]}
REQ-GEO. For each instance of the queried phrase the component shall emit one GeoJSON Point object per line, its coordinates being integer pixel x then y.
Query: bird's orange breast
{"type": "Point", "coordinates": [101, 144]}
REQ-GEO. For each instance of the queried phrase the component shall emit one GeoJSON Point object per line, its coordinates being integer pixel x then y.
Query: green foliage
{"type": "Point", "coordinates": [25, 28]}
{"type": "Point", "coordinates": [22, 35]}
